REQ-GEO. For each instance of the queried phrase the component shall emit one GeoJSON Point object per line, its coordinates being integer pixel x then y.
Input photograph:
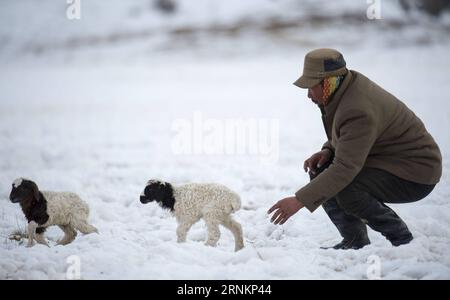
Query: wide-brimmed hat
{"type": "Point", "coordinates": [320, 64]}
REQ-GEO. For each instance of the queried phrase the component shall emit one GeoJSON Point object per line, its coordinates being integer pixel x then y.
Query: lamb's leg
{"type": "Point", "coordinates": [236, 229]}
{"type": "Point", "coordinates": [69, 235]}
{"type": "Point", "coordinates": [182, 230]}
{"type": "Point", "coordinates": [40, 236]}
{"type": "Point", "coordinates": [213, 231]}
{"type": "Point", "coordinates": [84, 227]}
{"type": "Point", "coordinates": [31, 232]}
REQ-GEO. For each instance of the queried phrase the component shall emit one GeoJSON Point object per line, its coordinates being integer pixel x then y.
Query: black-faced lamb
{"type": "Point", "coordinates": [43, 209]}
{"type": "Point", "coordinates": [191, 202]}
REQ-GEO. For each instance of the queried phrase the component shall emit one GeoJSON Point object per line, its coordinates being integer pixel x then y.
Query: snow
{"type": "Point", "coordinates": [99, 120]}
{"type": "Point", "coordinates": [17, 182]}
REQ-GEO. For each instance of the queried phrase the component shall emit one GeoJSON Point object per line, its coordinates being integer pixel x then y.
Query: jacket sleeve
{"type": "Point", "coordinates": [357, 134]}
{"type": "Point", "coordinates": [328, 146]}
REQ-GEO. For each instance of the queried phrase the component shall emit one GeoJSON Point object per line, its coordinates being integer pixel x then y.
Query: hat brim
{"type": "Point", "coordinates": [307, 82]}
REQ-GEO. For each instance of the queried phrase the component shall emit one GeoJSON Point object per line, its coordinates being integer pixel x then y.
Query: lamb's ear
{"type": "Point", "coordinates": [35, 189]}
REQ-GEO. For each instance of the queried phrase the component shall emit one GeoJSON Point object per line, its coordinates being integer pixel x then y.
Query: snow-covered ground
{"type": "Point", "coordinates": [101, 121]}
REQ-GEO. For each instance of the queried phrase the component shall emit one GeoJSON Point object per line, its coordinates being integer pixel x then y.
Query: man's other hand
{"type": "Point", "coordinates": [316, 161]}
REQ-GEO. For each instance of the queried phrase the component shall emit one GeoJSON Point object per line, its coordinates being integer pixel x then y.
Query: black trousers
{"type": "Point", "coordinates": [363, 202]}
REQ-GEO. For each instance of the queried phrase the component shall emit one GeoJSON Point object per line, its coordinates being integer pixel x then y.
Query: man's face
{"type": "Point", "coordinates": [316, 93]}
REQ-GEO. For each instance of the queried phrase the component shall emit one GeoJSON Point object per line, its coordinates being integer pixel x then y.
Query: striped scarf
{"type": "Point", "coordinates": [330, 85]}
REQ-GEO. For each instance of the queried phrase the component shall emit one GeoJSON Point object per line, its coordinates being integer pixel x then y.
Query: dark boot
{"type": "Point", "coordinates": [354, 244]}
{"type": "Point", "coordinates": [352, 229]}
{"type": "Point", "coordinates": [403, 240]}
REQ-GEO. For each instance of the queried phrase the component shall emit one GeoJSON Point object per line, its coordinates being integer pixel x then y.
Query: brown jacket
{"type": "Point", "coordinates": [368, 127]}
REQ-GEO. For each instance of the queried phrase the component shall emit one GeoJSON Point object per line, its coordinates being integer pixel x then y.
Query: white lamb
{"type": "Point", "coordinates": [191, 202]}
{"type": "Point", "coordinates": [43, 209]}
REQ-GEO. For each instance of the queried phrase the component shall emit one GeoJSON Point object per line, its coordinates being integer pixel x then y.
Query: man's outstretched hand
{"type": "Point", "coordinates": [284, 209]}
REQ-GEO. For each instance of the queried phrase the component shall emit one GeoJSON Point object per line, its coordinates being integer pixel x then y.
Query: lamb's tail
{"type": "Point", "coordinates": [235, 203]}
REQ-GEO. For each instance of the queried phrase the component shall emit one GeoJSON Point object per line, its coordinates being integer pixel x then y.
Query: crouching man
{"type": "Point", "coordinates": [378, 151]}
